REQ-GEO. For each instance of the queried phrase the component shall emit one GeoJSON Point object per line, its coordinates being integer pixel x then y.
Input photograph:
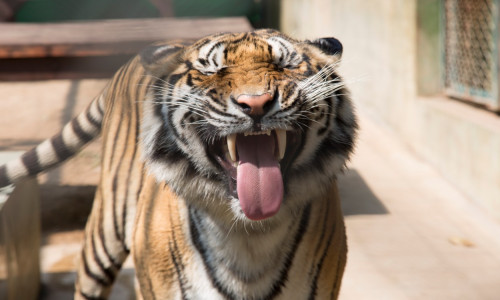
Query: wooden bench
{"type": "Point", "coordinates": [92, 49]}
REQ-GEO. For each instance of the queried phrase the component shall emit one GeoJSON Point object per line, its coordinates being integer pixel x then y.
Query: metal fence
{"type": "Point", "coordinates": [471, 51]}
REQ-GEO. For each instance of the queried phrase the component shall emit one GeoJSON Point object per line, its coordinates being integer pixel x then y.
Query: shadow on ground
{"type": "Point", "coordinates": [60, 286]}
{"type": "Point", "coordinates": [65, 208]}
{"type": "Point", "coordinates": [356, 197]}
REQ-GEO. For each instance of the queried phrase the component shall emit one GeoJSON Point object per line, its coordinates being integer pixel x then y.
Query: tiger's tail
{"type": "Point", "coordinates": [71, 139]}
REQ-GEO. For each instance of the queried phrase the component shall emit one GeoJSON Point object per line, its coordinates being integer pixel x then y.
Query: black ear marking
{"type": "Point", "coordinates": [329, 45]}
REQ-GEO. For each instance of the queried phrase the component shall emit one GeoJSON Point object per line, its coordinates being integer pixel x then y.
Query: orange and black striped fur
{"type": "Point", "coordinates": [218, 172]}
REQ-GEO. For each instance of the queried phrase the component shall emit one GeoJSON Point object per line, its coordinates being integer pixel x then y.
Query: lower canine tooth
{"type": "Point", "coordinates": [281, 136]}
{"type": "Point", "coordinates": [231, 146]}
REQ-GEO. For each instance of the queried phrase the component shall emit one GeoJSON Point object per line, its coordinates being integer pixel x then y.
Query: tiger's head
{"type": "Point", "coordinates": [256, 124]}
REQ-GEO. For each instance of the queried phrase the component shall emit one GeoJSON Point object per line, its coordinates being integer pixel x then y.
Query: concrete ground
{"type": "Point", "coordinates": [411, 234]}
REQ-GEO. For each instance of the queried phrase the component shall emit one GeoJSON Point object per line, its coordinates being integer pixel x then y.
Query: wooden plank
{"type": "Point", "coordinates": [98, 38]}
{"type": "Point", "coordinates": [22, 69]}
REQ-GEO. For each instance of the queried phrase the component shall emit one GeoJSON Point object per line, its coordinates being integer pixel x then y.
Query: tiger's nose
{"type": "Point", "coordinates": [255, 105]}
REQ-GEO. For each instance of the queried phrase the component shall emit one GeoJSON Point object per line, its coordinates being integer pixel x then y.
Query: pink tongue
{"type": "Point", "coordinates": [259, 180]}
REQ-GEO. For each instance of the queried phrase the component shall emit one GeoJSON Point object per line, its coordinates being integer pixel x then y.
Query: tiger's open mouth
{"type": "Point", "coordinates": [256, 165]}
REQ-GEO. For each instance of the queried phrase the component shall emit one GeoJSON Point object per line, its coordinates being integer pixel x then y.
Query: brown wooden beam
{"type": "Point", "coordinates": [98, 38]}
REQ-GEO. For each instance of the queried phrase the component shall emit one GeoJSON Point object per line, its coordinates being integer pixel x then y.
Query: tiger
{"type": "Point", "coordinates": [219, 165]}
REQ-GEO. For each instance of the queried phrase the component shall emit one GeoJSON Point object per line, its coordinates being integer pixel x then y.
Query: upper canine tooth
{"type": "Point", "coordinates": [281, 136]}
{"type": "Point", "coordinates": [231, 146]}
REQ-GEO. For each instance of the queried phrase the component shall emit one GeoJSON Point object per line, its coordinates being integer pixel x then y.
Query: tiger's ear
{"type": "Point", "coordinates": [329, 45]}
{"type": "Point", "coordinates": [160, 59]}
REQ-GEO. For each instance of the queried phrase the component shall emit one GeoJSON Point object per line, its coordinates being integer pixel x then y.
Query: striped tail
{"type": "Point", "coordinates": [75, 134]}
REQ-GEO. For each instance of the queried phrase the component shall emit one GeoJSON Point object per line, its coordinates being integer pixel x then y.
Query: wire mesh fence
{"type": "Point", "coordinates": [471, 51]}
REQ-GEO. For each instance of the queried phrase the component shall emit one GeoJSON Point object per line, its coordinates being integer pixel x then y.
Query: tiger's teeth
{"type": "Point", "coordinates": [281, 136]}
{"type": "Point", "coordinates": [231, 146]}
{"type": "Point", "coordinates": [268, 132]}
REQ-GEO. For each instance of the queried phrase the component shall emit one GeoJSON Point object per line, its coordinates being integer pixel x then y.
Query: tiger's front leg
{"type": "Point", "coordinates": [159, 247]}
{"type": "Point", "coordinates": [104, 250]}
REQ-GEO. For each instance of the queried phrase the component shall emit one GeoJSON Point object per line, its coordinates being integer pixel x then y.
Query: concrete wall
{"type": "Point", "coordinates": [392, 55]}
{"type": "Point", "coordinates": [379, 48]}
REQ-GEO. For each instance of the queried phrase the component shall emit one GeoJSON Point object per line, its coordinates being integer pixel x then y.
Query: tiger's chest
{"type": "Point", "coordinates": [182, 253]}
